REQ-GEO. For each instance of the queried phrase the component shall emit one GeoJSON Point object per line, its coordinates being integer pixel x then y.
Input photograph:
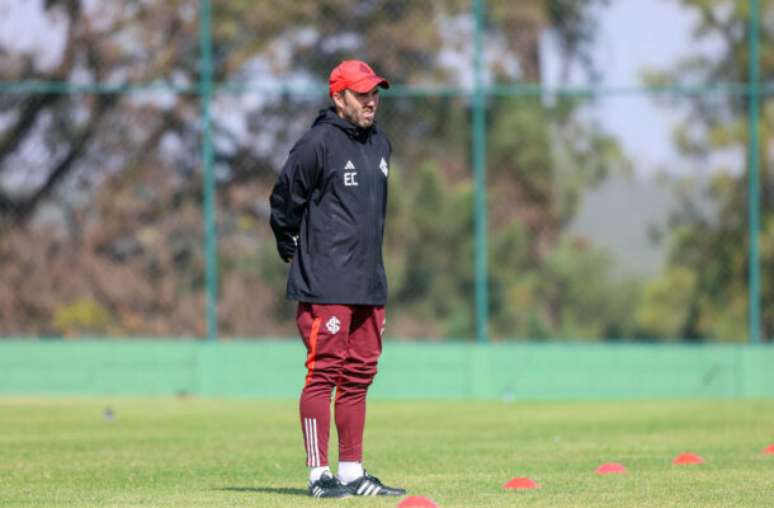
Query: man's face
{"type": "Point", "coordinates": [358, 108]}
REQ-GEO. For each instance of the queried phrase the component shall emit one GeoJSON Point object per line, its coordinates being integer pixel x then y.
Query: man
{"type": "Point", "coordinates": [327, 214]}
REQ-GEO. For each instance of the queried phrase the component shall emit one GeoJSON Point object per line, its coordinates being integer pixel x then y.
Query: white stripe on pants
{"type": "Point", "coordinates": [312, 448]}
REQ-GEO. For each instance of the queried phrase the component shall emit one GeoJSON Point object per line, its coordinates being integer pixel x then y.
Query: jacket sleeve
{"type": "Point", "coordinates": [292, 191]}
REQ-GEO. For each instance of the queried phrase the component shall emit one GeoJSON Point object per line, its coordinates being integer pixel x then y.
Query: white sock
{"type": "Point", "coordinates": [350, 471]}
{"type": "Point", "coordinates": [316, 472]}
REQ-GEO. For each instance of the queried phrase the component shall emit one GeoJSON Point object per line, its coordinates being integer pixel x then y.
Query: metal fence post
{"type": "Point", "coordinates": [479, 169]}
{"type": "Point", "coordinates": [753, 193]}
{"type": "Point", "coordinates": [210, 232]}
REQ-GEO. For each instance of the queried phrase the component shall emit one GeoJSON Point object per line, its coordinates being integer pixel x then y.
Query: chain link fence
{"type": "Point", "coordinates": [528, 199]}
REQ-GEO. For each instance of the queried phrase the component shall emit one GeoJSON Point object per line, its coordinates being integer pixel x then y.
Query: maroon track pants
{"type": "Point", "coordinates": [343, 344]}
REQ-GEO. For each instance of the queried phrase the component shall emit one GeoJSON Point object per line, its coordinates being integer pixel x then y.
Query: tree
{"type": "Point", "coordinates": [119, 174]}
{"type": "Point", "coordinates": [707, 278]}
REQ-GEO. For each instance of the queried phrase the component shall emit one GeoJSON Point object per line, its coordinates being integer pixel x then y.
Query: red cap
{"type": "Point", "coordinates": [355, 75]}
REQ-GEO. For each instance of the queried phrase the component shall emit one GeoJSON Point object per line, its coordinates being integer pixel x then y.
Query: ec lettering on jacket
{"type": "Point", "coordinates": [350, 175]}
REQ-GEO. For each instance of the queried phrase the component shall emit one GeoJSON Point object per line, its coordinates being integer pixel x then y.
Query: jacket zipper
{"type": "Point", "coordinates": [372, 214]}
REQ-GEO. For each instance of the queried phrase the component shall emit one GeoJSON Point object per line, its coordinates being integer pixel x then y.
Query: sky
{"type": "Point", "coordinates": [634, 36]}
{"type": "Point", "coordinates": [23, 27]}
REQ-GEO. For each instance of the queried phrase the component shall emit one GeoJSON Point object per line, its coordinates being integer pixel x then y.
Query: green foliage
{"type": "Point", "coordinates": [82, 317]}
{"type": "Point", "coordinates": [570, 294]}
{"type": "Point", "coordinates": [430, 249]}
{"type": "Point", "coordinates": [542, 285]}
{"type": "Point", "coordinates": [666, 303]}
{"type": "Point", "coordinates": [706, 285]}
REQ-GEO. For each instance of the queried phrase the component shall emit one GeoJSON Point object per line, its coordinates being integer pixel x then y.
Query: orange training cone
{"type": "Point", "coordinates": [688, 458]}
{"type": "Point", "coordinates": [417, 502]}
{"type": "Point", "coordinates": [769, 450]}
{"type": "Point", "coordinates": [521, 483]}
{"type": "Point", "coordinates": [611, 468]}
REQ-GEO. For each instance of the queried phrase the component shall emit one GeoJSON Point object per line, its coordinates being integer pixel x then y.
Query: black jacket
{"type": "Point", "coordinates": [327, 213]}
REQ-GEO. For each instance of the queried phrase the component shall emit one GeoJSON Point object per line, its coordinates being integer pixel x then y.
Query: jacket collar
{"type": "Point", "coordinates": [329, 116]}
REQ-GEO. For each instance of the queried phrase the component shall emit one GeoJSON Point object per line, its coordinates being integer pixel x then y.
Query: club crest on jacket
{"type": "Point", "coordinates": [383, 166]}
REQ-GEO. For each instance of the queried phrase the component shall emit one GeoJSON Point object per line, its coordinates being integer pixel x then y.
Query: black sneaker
{"type": "Point", "coordinates": [328, 486]}
{"type": "Point", "coordinates": [368, 485]}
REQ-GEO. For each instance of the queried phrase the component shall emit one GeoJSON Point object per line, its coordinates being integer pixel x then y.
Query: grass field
{"type": "Point", "coordinates": [190, 452]}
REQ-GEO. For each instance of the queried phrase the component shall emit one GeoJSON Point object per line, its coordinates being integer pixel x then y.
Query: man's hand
{"type": "Point", "coordinates": [295, 246]}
